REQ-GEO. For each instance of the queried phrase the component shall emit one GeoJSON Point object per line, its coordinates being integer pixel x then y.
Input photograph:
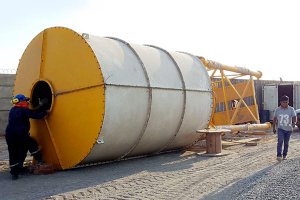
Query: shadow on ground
{"type": "Point", "coordinates": [39, 186]}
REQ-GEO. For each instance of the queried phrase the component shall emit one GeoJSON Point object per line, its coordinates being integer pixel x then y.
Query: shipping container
{"type": "Point", "coordinates": [273, 92]}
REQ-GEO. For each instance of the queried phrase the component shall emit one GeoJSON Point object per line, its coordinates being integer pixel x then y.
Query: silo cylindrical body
{"type": "Point", "coordinates": [110, 100]}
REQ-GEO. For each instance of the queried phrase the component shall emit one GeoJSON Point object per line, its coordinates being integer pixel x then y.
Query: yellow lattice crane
{"type": "Point", "coordinates": [234, 102]}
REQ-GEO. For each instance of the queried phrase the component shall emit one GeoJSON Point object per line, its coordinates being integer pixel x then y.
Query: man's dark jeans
{"type": "Point", "coordinates": [283, 138]}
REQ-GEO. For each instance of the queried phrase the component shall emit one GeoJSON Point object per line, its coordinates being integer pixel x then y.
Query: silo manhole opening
{"type": "Point", "coordinates": [41, 95]}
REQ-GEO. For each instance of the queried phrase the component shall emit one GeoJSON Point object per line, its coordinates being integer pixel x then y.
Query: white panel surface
{"type": "Point", "coordinates": [193, 71]}
{"type": "Point", "coordinates": [125, 115]}
{"type": "Point", "coordinates": [147, 108]}
{"type": "Point", "coordinates": [166, 111]}
{"type": "Point", "coordinates": [118, 63]}
{"type": "Point", "coordinates": [161, 70]}
{"type": "Point", "coordinates": [198, 108]}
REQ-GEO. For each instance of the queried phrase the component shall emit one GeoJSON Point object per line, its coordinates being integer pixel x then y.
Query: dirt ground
{"type": "Point", "coordinates": [175, 175]}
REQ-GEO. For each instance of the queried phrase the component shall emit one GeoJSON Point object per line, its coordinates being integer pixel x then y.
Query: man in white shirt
{"type": "Point", "coordinates": [284, 119]}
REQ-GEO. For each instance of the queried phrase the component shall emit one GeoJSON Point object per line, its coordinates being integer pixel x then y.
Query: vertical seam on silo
{"type": "Point", "coordinates": [210, 111]}
{"type": "Point", "coordinates": [44, 45]}
{"type": "Point", "coordinates": [184, 94]}
{"type": "Point", "coordinates": [149, 97]}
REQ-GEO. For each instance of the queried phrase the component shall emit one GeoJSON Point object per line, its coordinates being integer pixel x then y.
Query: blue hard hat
{"type": "Point", "coordinates": [21, 97]}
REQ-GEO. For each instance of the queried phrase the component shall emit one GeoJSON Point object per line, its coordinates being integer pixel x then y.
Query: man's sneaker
{"type": "Point", "coordinates": [279, 158]}
{"type": "Point", "coordinates": [14, 176]}
{"type": "Point", "coordinates": [284, 157]}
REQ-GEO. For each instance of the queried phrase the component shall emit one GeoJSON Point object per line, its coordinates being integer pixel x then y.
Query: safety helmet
{"type": "Point", "coordinates": [19, 98]}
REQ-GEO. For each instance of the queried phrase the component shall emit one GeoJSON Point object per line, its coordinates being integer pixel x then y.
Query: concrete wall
{"type": "Point", "coordinates": [6, 87]}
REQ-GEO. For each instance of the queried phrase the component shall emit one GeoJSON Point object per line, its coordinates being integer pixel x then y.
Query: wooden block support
{"type": "Point", "coordinates": [39, 169]}
{"type": "Point", "coordinates": [213, 143]}
{"type": "Point", "coordinates": [214, 140]}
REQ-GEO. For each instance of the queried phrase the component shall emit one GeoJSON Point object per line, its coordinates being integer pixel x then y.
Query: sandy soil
{"type": "Point", "coordinates": [176, 175]}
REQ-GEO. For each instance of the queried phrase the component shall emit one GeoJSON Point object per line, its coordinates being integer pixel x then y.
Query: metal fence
{"type": "Point", "coordinates": [8, 70]}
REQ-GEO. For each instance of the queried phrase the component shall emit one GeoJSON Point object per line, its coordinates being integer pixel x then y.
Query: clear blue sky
{"type": "Point", "coordinates": [259, 34]}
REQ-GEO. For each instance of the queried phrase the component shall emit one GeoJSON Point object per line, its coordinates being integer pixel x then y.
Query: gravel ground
{"type": "Point", "coordinates": [246, 172]}
{"type": "Point", "coordinates": [280, 181]}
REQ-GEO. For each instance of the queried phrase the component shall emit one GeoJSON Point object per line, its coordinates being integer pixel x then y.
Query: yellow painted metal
{"type": "Point", "coordinates": [232, 93]}
{"type": "Point", "coordinates": [246, 127]}
{"type": "Point", "coordinates": [241, 100]}
{"type": "Point", "coordinates": [215, 65]}
{"type": "Point", "coordinates": [225, 97]}
{"type": "Point", "coordinates": [29, 64]}
{"type": "Point", "coordinates": [241, 117]}
{"type": "Point", "coordinates": [77, 85]}
{"type": "Point", "coordinates": [254, 98]}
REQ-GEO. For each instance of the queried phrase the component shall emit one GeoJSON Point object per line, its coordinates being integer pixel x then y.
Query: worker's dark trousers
{"type": "Point", "coordinates": [18, 148]}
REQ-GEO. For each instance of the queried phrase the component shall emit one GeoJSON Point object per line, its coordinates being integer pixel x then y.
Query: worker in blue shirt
{"type": "Point", "coordinates": [17, 134]}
